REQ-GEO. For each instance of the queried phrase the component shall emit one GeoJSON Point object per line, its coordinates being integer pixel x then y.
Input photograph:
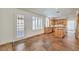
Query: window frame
{"type": "Point", "coordinates": [20, 25]}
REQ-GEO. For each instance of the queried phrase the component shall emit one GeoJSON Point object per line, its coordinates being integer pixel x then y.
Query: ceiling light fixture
{"type": "Point", "coordinates": [57, 11]}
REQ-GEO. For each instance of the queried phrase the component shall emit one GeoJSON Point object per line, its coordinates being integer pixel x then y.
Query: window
{"type": "Point", "coordinates": [39, 23]}
{"type": "Point", "coordinates": [47, 22]}
{"type": "Point", "coordinates": [20, 25]}
{"type": "Point", "coordinates": [36, 23]}
{"type": "Point", "coordinates": [71, 25]}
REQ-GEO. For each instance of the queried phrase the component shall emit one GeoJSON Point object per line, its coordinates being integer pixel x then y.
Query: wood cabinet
{"type": "Point", "coordinates": [77, 27]}
{"type": "Point", "coordinates": [59, 27]}
{"type": "Point", "coordinates": [59, 32]}
{"type": "Point", "coordinates": [48, 29]}
{"type": "Point", "coordinates": [53, 22]}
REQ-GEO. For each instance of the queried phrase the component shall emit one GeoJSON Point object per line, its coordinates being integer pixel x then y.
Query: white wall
{"type": "Point", "coordinates": [8, 24]}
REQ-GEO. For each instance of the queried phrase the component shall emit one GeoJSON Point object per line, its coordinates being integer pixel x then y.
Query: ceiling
{"type": "Point", "coordinates": [54, 12]}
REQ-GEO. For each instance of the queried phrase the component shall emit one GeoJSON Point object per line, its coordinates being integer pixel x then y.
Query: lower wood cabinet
{"type": "Point", "coordinates": [48, 30]}
{"type": "Point", "coordinates": [77, 28]}
{"type": "Point", "coordinates": [77, 32]}
{"type": "Point", "coordinates": [60, 33]}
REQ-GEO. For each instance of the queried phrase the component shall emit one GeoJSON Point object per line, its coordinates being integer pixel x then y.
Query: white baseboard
{"type": "Point", "coordinates": [2, 43]}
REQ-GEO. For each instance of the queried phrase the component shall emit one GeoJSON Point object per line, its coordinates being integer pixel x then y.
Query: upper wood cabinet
{"type": "Point", "coordinates": [53, 22]}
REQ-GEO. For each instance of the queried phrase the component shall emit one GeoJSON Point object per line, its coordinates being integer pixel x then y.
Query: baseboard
{"type": "Point", "coordinates": [20, 40]}
{"type": "Point", "coordinates": [28, 38]}
{"type": "Point", "coordinates": [34, 36]}
{"type": "Point", "coordinates": [6, 43]}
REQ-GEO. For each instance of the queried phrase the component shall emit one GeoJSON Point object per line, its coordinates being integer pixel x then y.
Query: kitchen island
{"type": "Point", "coordinates": [59, 32]}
